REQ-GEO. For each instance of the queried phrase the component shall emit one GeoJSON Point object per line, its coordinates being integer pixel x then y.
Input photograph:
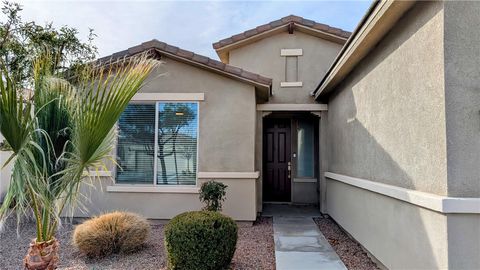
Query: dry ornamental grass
{"type": "Point", "coordinates": [111, 233]}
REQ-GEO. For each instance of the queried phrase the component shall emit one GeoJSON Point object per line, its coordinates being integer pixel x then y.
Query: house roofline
{"type": "Point", "coordinates": [261, 83]}
{"type": "Point", "coordinates": [375, 24]}
{"type": "Point", "coordinates": [288, 23]}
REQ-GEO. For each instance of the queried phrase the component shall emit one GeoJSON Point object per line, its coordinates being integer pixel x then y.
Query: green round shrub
{"type": "Point", "coordinates": [201, 240]}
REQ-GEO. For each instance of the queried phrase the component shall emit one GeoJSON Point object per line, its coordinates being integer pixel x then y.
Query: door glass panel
{"type": "Point", "coordinates": [305, 149]}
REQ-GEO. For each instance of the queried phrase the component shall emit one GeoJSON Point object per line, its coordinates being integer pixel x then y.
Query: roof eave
{"type": "Point", "coordinates": [333, 34]}
{"type": "Point", "coordinates": [159, 49]}
{"type": "Point", "coordinates": [203, 66]}
{"type": "Point", "coordinates": [380, 18]}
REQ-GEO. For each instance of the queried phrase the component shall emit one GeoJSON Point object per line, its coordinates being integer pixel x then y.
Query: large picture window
{"type": "Point", "coordinates": [157, 144]}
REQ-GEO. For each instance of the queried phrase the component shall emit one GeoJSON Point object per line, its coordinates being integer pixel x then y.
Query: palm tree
{"type": "Point", "coordinates": [64, 131]}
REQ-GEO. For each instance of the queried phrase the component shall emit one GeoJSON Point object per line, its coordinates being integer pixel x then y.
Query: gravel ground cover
{"type": "Point", "coordinates": [349, 251]}
{"type": "Point", "coordinates": [255, 249]}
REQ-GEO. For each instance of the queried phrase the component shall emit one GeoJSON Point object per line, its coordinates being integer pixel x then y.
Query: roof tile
{"type": "Point", "coordinates": [185, 53]}
{"type": "Point", "coordinates": [188, 55]}
{"type": "Point", "coordinates": [308, 23]}
{"type": "Point", "coordinates": [171, 49]}
{"type": "Point", "coordinates": [200, 58]}
{"type": "Point", "coordinates": [216, 64]}
{"type": "Point", "coordinates": [249, 75]}
{"type": "Point", "coordinates": [323, 27]}
{"type": "Point", "coordinates": [276, 23]}
{"type": "Point", "coordinates": [283, 21]}
{"type": "Point", "coordinates": [232, 69]}
{"type": "Point", "coordinates": [250, 33]}
{"type": "Point", "coordinates": [263, 28]}
{"type": "Point", "coordinates": [238, 37]}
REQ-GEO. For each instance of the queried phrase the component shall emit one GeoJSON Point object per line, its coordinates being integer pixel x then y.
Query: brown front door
{"type": "Point", "coordinates": [276, 156]}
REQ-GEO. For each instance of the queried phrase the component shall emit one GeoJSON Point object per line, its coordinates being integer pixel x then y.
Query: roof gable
{"type": "Point", "coordinates": [290, 23]}
{"type": "Point", "coordinates": [191, 58]}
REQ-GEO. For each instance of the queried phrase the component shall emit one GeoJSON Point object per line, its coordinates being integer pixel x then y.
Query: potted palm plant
{"type": "Point", "coordinates": [59, 133]}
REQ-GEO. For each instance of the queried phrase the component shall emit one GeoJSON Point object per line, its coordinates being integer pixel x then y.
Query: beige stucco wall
{"type": "Point", "coordinates": [226, 144]}
{"type": "Point", "coordinates": [387, 119]}
{"type": "Point", "coordinates": [462, 94]}
{"type": "Point", "coordinates": [407, 116]}
{"type": "Point", "coordinates": [263, 57]}
{"type": "Point", "coordinates": [240, 202]}
{"type": "Point", "coordinates": [400, 235]}
{"type": "Point", "coordinates": [227, 115]}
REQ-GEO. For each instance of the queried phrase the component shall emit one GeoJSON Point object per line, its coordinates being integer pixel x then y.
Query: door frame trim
{"type": "Point", "coordinates": [292, 116]}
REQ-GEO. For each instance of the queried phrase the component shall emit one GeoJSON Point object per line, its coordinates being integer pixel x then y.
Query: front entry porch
{"type": "Point", "coordinates": [290, 158]}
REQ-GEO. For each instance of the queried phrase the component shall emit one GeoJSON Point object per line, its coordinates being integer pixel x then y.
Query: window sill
{"type": "Point", "coordinates": [291, 84]}
{"type": "Point", "coordinates": [153, 189]}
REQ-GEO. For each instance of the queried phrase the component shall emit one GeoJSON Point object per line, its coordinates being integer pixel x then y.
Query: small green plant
{"type": "Point", "coordinates": [213, 194]}
{"type": "Point", "coordinates": [200, 240]}
{"type": "Point", "coordinates": [111, 233]}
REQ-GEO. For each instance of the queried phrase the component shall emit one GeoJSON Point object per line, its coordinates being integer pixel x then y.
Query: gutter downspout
{"type": "Point", "coordinates": [344, 48]}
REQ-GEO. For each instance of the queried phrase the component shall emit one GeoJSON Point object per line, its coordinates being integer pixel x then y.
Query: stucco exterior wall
{"type": "Point", "coordinates": [227, 115]}
{"type": "Point", "coordinates": [387, 119]}
{"type": "Point", "coordinates": [400, 235]}
{"type": "Point", "coordinates": [462, 94]}
{"type": "Point", "coordinates": [240, 202]}
{"type": "Point", "coordinates": [226, 143]}
{"type": "Point", "coordinates": [263, 57]}
{"type": "Point", "coordinates": [407, 116]}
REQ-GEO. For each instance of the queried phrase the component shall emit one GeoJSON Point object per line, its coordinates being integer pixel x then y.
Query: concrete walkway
{"type": "Point", "coordinates": [299, 244]}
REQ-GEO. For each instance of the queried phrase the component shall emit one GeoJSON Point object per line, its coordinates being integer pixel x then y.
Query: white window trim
{"type": "Point", "coordinates": [313, 107]}
{"type": "Point", "coordinates": [291, 84]}
{"type": "Point", "coordinates": [166, 97]}
{"type": "Point", "coordinates": [154, 187]}
{"type": "Point", "coordinates": [291, 52]}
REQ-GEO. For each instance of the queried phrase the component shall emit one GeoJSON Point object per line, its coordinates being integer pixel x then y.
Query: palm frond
{"type": "Point", "coordinates": [62, 132]}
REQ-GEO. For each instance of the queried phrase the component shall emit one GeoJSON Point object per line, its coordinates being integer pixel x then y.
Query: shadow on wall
{"type": "Point", "coordinates": [393, 231]}
{"type": "Point", "coordinates": [377, 131]}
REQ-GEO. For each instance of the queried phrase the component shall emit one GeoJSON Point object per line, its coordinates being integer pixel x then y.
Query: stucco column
{"type": "Point", "coordinates": [323, 161]}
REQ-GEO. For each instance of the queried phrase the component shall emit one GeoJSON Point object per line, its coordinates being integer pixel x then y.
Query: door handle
{"type": "Point", "coordinates": [289, 168]}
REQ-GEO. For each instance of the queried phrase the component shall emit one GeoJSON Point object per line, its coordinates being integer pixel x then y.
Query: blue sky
{"type": "Point", "coordinates": [190, 25]}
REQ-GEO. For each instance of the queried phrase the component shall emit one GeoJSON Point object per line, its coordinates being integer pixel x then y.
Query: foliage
{"type": "Point", "coordinates": [62, 132]}
{"type": "Point", "coordinates": [111, 233]}
{"type": "Point", "coordinates": [213, 194]}
{"type": "Point", "coordinates": [21, 42]}
{"type": "Point", "coordinates": [201, 240]}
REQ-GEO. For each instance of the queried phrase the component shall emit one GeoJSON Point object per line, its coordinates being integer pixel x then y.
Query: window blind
{"type": "Point", "coordinates": [135, 152]}
{"type": "Point", "coordinates": [177, 143]}
{"type": "Point", "coordinates": [172, 139]}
